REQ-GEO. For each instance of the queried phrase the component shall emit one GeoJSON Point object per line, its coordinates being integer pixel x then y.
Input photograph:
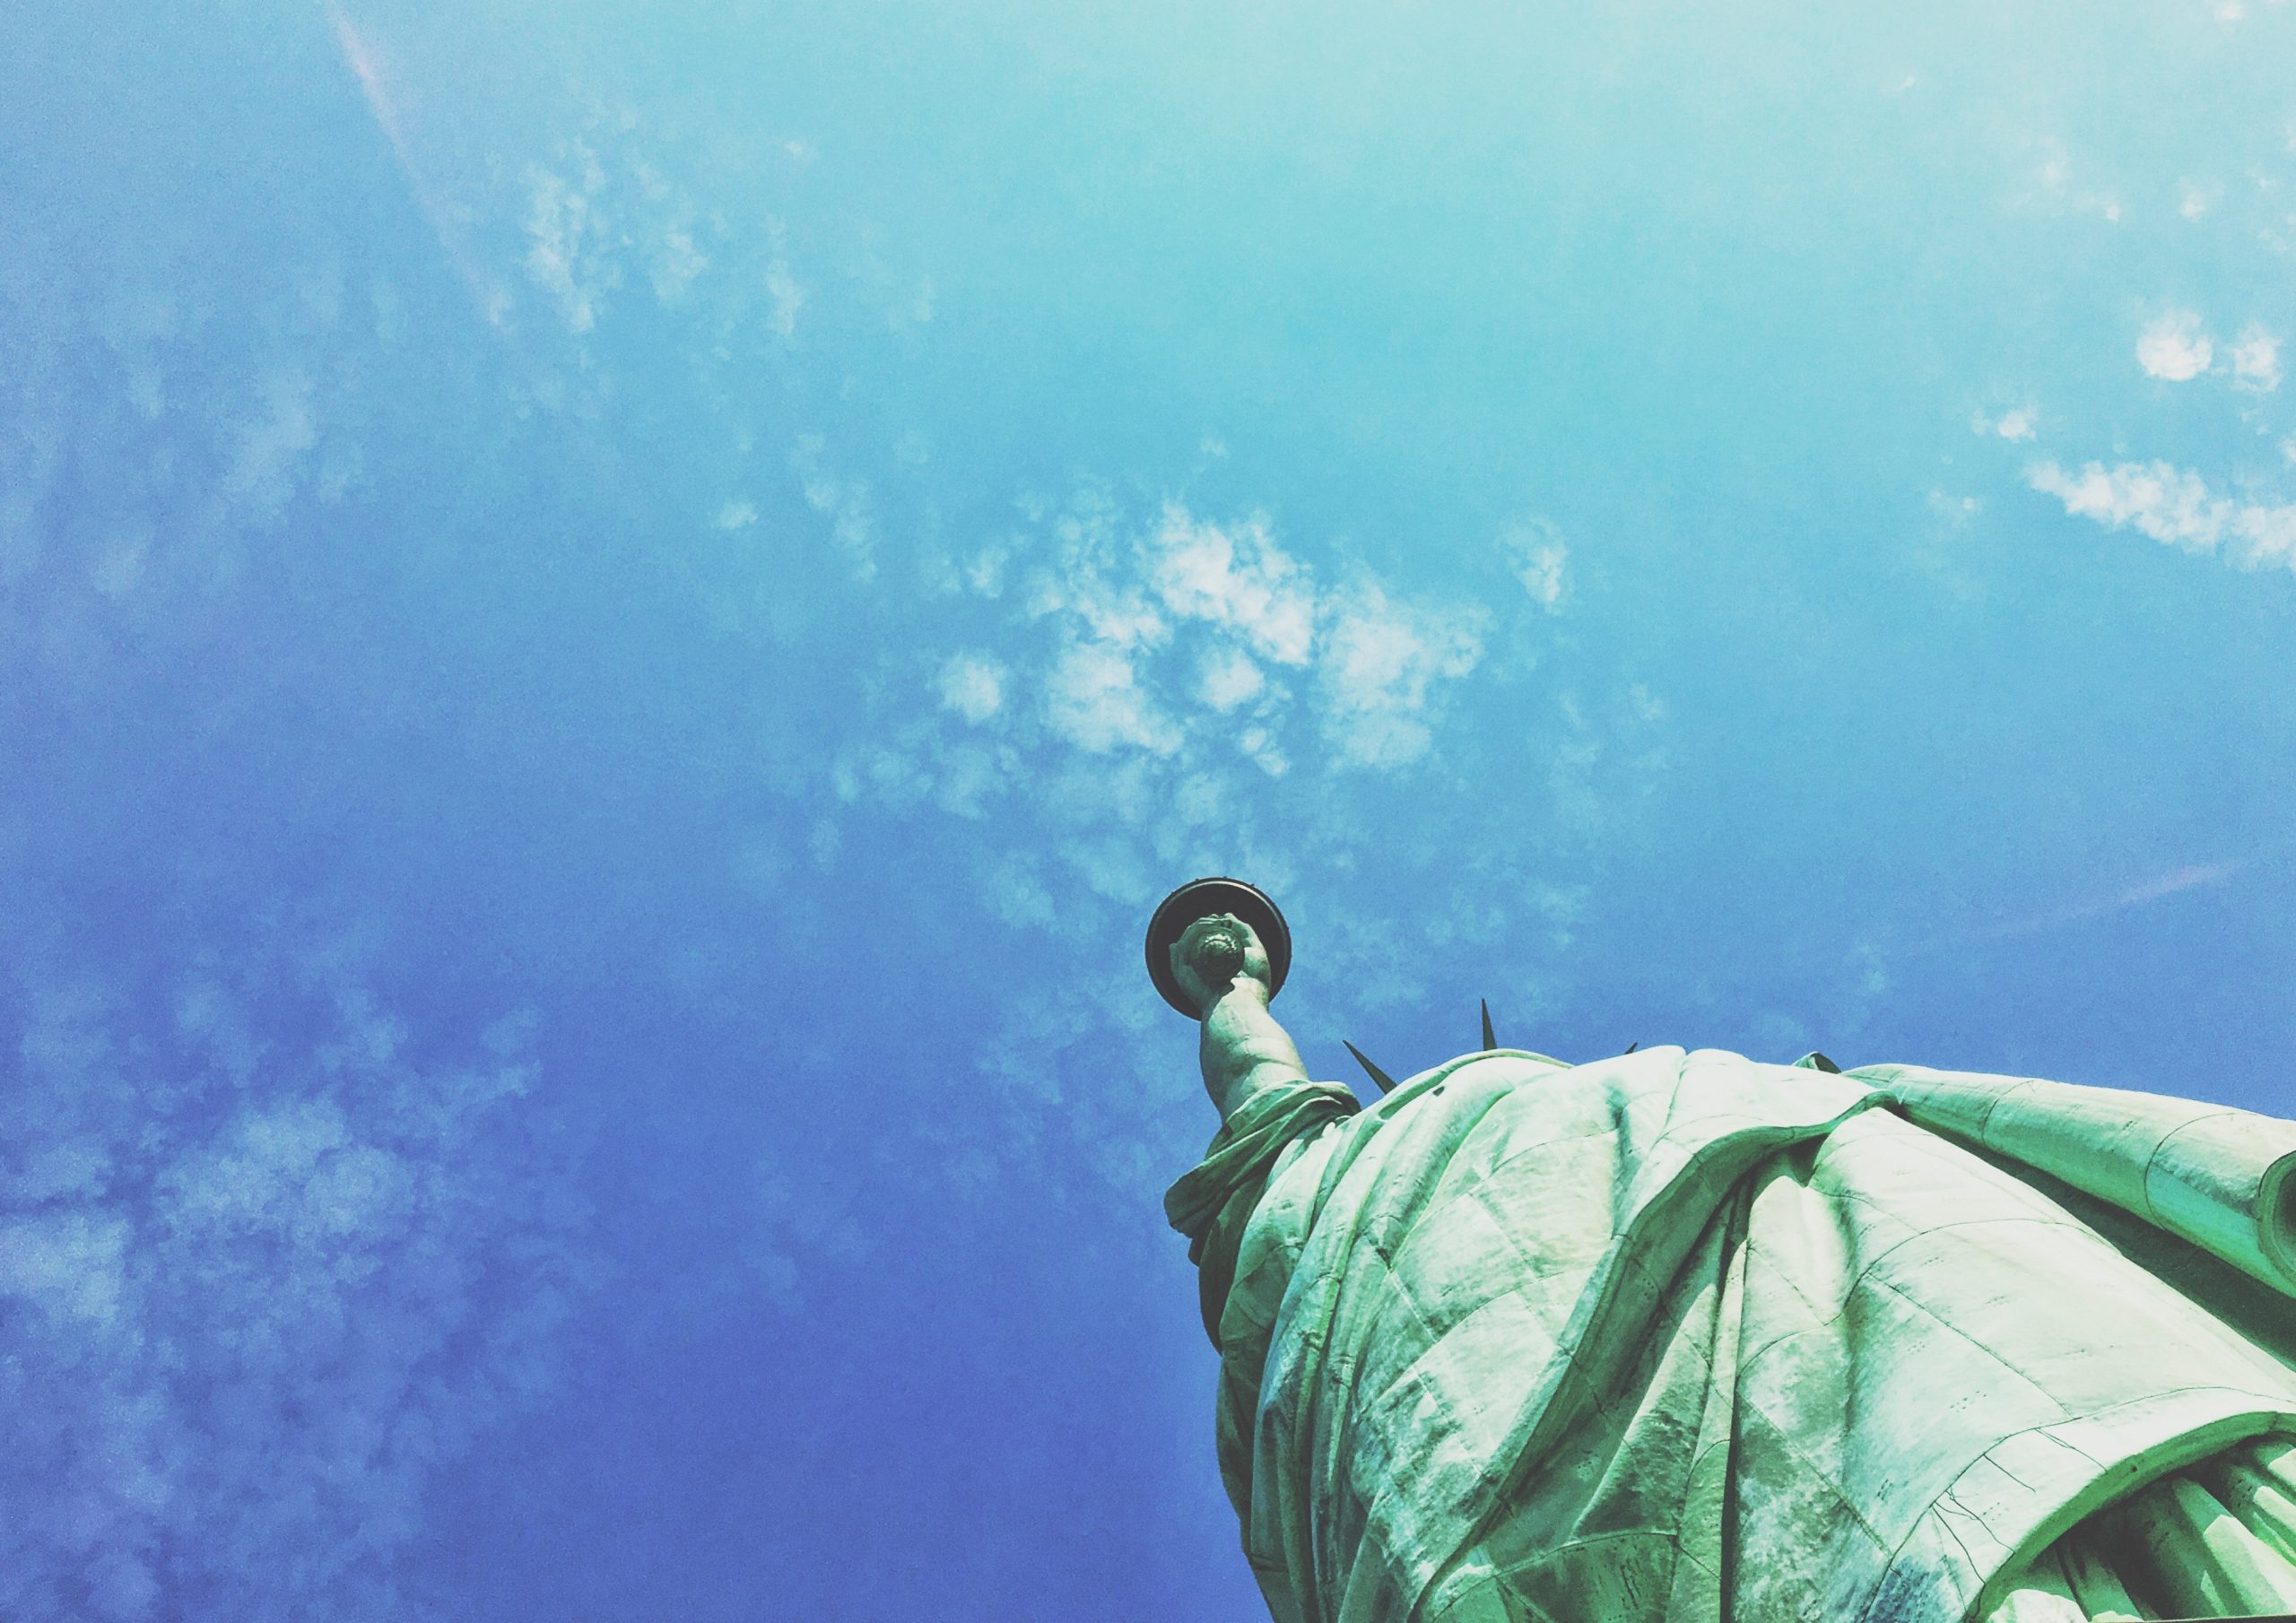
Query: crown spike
{"type": "Point", "coordinates": [1386, 1083]}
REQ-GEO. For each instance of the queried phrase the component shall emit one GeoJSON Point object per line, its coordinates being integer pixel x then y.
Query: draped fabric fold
{"type": "Point", "coordinates": [1685, 1336]}
{"type": "Point", "coordinates": [2223, 1179]}
{"type": "Point", "coordinates": [1212, 1204]}
{"type": "Point", "coordinates": [2216, 1540]}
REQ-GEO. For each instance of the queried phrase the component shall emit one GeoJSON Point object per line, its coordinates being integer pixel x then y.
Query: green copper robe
{"type": "Point", "coordinates": [1688, 1337]}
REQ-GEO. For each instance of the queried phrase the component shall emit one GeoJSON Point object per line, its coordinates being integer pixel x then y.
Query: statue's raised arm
{"type": "Point", "coordinates": [1679, 1335]}
{"type": "Point", "coordinates": [1218, 949]}
{"type": "Point", "coordinates": [1223, 966]}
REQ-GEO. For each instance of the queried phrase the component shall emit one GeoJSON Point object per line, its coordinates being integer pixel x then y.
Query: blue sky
{"type": "Point", "coordinates": [611, 617]}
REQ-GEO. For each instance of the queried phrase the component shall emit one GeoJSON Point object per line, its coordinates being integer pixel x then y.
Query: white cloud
{"type": "Point", "coordinates": [240, 1281]}
{"type": "Point", "coordinates": [983, 573]}
{"type": "Point", "coordinates": [1017, 894]}
{"type": "Point", "coordinates": [1382, 665]}
{"type": "Point", "coordinates": [1111, 868]}
{"type": "Point", "coordinates": [2175, 507]}
{"type": "Point", "coordinates": [1168, 694]}
{"type": "Point", "coordinates": [2256, 360]}
{"type": "Point", "coordinates": [1094, 699]}
{"type": "Point", "coordinates": [1200, 799]}
{"type": "Point", "coordinates": [1157, 636]}
{"type": "Point", "coordinates": [973, 685]}
{"type": "Point", "coordinates": [1260, 746]}
{"type": "Point", "coordinates": [563, 236]}
{"type": "Point", "coordinates": [1378, 661]}
{"type": "Point", "coordinates": [788, 298]}
{"type": "Point", "coordinates": [1538, 556]}
{"type": "Point", "coordinates": [894, 778]}
{"type": "Point", "coordinates": [845, 502]}
{"type": "Point", "coordinates": [737, 513]}
{"type": "Point", "coordinates": [2055, 173]}
{"type": "Point", "coordinates": [677, 261]}
{"type": "Point", "coordinates": [1096, 587]}
{"type": "Point", "coordinates": [966, 777]}
{"type": "Point", "coordinates": [2013, 425]}
{"type": "Point", "coordinates": [2174, 347]}
{"type": "Point", "coordinates": [1229, 679]}
{"type": "Point", "coordinates": [1955, 510]}
{"type": "Point", "coordinates": [610, 211]}
{"type": "Point", "coordinates": [1235, 576]}
{"type": "Point", "coordinates": [271, 447]}
{"type": "Point", "coordinates": [70, 1266]}
{"type": "Point", "coordinates": [2160, 500]}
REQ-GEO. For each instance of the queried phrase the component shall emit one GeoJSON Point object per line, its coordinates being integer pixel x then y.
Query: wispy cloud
{"type": "Point", "coordinates": [568, 254]}
{"type": "Point", "coordinates": [1230, 678]}
{"type": "Point", "coordinates": [1165, 636]}
{"type": "Point", "coordinates": [2014, 425]}
{"type": "Point", "coordinates": [845, 502]}
{"type": "Point", "coordinates": [1175, 692]}
{"type": "Point", "coordinates": [1096, 699]}
{"type": "Point", "coordinates": [2174, 506]}
{"type": "Point", "coordinates": [678, 261]}
{"type": "Point", "coordinates": [788, 298]}
{"type": "Point", "coordinates": [262, 474]}
{"type": "Point", "coordinates": [1236, 577]}
{"type": "Point", "coordinates": [2173, 347]}
{"type": "Point", "coordinates": [973, 685]}
{"type": "Point", "coordinates": [1540, 560]}
{"type": "Point", "coordinates": [2256, 360]}
{"type": "Point", "coordinates": [1385, 663]}
{"type": "Point", "coordinates": [604, 213]}
{"type": "Point", "coordinates": [2055, 173]}
{"type": "Point", "coordinates": [256, 1290]}
{"type": "Point", "coordinates": [2173, 881]}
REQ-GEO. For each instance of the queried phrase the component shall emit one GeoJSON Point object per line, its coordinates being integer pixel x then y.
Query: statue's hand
{"type": "Point", "coordinates": [1212, 954]}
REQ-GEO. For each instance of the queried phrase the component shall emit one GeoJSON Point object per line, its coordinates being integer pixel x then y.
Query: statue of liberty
{"type": "Point", "coordinates": [1677, 1336]}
